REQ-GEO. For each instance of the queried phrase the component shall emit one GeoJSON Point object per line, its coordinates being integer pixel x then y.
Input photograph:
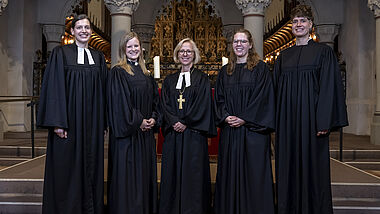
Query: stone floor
{"type": "Point", "coordinates": [354, 190]}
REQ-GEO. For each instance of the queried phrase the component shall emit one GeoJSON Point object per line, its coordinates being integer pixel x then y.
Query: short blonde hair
{"type": "Point", "coordinates": [197, 57]}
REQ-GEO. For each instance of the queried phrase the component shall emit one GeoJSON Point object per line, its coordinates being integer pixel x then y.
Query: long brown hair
{"type": "Point", "coordinates": [123, 56]}
{"type": "Point", "coordinates": [253, 57]}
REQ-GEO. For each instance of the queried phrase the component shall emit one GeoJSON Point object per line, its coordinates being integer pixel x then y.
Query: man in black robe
{"type": "Point", "coordinates": [310, 104]}
{"type": "Point", "coordinates": [245, 101]}
{"type": "Point", "coordinates": [72, 107]}
{"type": "Point", "coordinates": [188, 121]}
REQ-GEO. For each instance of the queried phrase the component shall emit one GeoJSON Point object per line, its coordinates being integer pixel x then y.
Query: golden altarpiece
{"type": "Point", "coordinates": [196, 20]}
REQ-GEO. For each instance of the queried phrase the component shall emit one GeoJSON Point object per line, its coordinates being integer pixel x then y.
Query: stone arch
{"type": "Point", "coordinates": [68, 8]}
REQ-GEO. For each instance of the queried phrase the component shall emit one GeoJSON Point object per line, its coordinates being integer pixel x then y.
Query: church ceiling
{"type": "Point", "coordinates": [281, 37]}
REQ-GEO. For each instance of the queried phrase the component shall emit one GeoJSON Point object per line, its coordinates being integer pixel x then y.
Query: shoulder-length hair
{"type": "Point", "coordinates": [123, 61]}
{"type": "Point", "coordinates": [197, 56]}
{"type": "Point", "coordinates": [253, 57]}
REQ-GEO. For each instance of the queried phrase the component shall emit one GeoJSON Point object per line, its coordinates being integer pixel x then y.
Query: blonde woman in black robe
{"type": "Point", "coordinates": [188, 119]}
{"type": "Point", "coordinates": [133, 109]}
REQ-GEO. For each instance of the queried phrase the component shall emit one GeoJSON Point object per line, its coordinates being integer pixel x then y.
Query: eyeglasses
{"type": "Point", "coordinates": [241, 41]}
{"type": "Point", "coordinates": [188, 52]}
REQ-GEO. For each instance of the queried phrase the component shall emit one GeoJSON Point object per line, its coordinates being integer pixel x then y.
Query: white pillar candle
{"type": "Point", "coordinates": [224, 61]}
{"type": "Point", "coordinates": [156, 63]}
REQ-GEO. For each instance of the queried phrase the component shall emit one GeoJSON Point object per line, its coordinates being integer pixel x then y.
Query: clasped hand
{"type": "Point", "coordinates": [179, 127]}
{"type": "Point", "coordinates": [147, 124]}
{"type": "Point", "coordinates": [234, 121]}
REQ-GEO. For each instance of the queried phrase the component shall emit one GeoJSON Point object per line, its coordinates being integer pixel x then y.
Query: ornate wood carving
{"type": "Point", "coordinates": [192, 19]}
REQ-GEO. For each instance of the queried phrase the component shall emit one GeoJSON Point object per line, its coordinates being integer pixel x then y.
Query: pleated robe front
{"type": "Point", "coordinates": [73, 98]}
{"type": "Point", "coordinates": [309, 99]}
{"type": "Point", "coordinates": [185, 175]}
{"type": "Point", "coordinates": [244, 183]}
{"type": "Point", "coordinates": [132, 173]}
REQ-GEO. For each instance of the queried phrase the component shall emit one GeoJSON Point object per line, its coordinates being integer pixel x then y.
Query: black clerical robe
{"type": "Point", "coordinates": [309, 99]}
{"type": "Point", "coordinates": [185, 175]}
{"type": "Point", "coordinates": [132, 176]}
{"type": "Point", "coordinates": [73, 98]}
{"type": "Point", "coordinates": [244, 182]}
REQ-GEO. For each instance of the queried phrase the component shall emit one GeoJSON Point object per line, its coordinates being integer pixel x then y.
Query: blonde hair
{"type": "Point", "coordinates": [197, 56]}
{"type": "Point", "coordinates": [253, 57]}
{"type": "Point", "coordinates": [123, 61]}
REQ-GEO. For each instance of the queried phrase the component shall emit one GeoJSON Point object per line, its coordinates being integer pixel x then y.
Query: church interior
{"type": "Point", "coordinates": [30, 29]}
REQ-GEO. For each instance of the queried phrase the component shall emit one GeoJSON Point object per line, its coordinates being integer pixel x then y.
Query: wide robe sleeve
{"type": "Point", "coordinates": [331, 107]}
{"type": "Point", "coordinates": [104, 68]}
{"type": "Point", "coordinates": [219, 99]}
{"type": "Point", "coordinates": [123, 118]}
{"type": "Point", "coordinates": [52, 107]}
{"type": "Point", "coordinates": [276, 73]}
{"type": "Point", "coordinates": [156, 107]}
{"type": "Point", "coordinates": [200, 114]}
{"type": "Point", "coordinates": [259, 114]}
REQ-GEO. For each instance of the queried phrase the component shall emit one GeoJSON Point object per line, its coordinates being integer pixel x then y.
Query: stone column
{"type": "Point", "coordinates": [375, 126]}
{"type": "Point", "coordinates": [145, 32]}
{"type": "Point", "coordinates": [327, 33]}
{"type": "Point", "coordinates": [121, 13]}
{"type": "Point", "coordinates": [228, 32]}
{"type": "Point", "coordinates": [1, 127]}
{"type": "Point", "coordinates": [253, 13]}
{"type": "Point", "coordinates": [53, 34]}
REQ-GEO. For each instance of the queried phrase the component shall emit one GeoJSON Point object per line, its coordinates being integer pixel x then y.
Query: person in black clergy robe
{"type": "Point", "coordinates": [188, 119]}
{"type": "Point", "coordinates": [310, 104]}
{"type": "Point", "coordinates": [72, 106]}
{"type": "Point", "coordinates": [245, 101]}
{"type": "Point", "coordinates": [133, 109]}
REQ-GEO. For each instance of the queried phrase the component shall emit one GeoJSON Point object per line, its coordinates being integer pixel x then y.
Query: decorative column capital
{"type": "Point", "coordinates": [229, 30]}
{"type": "Point", "coordinates": [3, 4]}
{"type": "Point", "coordinates": [53, 32]}
{"type": "Point", "coordinates": [145, 32]}
{"type": "Point", "coordinates": [327, 32]}
{"type": "Point", "coordinates": [252, 7]}
{"type": "Point", "coordinates": [122, 7]}
{"type": "Point", "coordinates": [374, 5]}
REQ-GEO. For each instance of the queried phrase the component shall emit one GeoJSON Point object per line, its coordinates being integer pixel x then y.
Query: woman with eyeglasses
{"type": "Point", "coordinates": [245, 102]}
{"type": "Point", "coordinates": [188, 119]}
{"type": "Point", "coordinates": [133, 109]}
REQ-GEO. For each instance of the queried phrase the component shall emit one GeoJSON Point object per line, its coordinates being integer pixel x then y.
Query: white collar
{"type": "Point", "coordinates": [180, 79]}
{"type": "Point", "coordinates": [80, 59]}
{"type": "Point", "coordinates": [133, 62]}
